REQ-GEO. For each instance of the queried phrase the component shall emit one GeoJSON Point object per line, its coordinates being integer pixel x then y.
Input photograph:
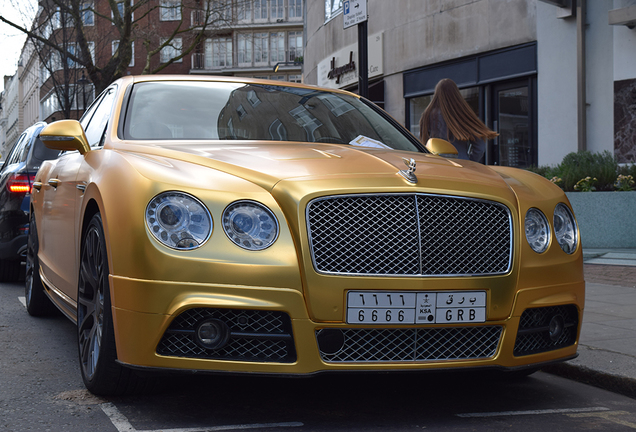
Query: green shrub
{"type": "Point", "coordinates": [601, 169]}
{"type": "Point", "coordinates": [577, 166]}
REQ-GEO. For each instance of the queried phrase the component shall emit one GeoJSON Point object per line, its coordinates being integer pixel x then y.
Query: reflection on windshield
{"type": "Point", "coordinates": [192, 110]}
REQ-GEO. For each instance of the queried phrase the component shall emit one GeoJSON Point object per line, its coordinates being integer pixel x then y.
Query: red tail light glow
{"type": "Point", "coordinates": [20, 183]}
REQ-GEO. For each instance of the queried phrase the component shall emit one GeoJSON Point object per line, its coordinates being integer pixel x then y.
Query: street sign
{"type": "Point", "coordinates": [354, 12]}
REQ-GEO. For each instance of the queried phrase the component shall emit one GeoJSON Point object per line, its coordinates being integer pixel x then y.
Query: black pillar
{"type": "Point", "coordinates": [363, 60]}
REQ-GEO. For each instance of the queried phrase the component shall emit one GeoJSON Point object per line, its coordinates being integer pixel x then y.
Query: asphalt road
{"type": "Point", "coordinates": [41, 390]}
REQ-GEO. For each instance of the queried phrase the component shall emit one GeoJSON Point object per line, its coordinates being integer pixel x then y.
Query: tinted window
{"type": "Point", "coordinates": [97, 124]}
{"type": "Point", "coordinates": [235, 111]}
{"type": "Point", "coordinates": [16, 151]}
{"type": "Point", "coordinates": [41, 153]}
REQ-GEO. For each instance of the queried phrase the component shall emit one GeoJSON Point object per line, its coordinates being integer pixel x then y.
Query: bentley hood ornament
{"type": "Point", "coordinates": [409, 174]}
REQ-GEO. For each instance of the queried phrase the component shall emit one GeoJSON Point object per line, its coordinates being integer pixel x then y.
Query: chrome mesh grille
{"type": "Point", "coordinates": [255, 336]}
{"type": "Point", "coordinates": [416, 344]}
{"type": "Point", "coordinates": [409, 235]}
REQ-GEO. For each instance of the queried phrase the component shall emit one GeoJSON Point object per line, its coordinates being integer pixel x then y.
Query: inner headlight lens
{"type": "Point", "coordinates": [537, 230]}
{"type": "Point", "coordinates": [565, 228]}
{"type": "Point", "coordinates": [178, 220]}
{"type": "Point", "coordinates": [250, 225]}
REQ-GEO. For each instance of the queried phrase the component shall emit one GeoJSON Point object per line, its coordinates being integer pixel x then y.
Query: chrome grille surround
{"type": "Point", "coordinates": [416, 344]}
{"type": "Point", "coordinates": [256, 335]}
{"type": "Point", "coordinates": [409, 235]}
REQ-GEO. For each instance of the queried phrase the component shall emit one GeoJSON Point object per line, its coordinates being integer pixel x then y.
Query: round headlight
{"type": "Point", "coordinates": [178, 220]}
{"type": "Point", "coordinates": [565, 228]}
{"type": "Point", "coordinates": [537, 230]}
{"type": "Point", "coordinates": [250, 225]}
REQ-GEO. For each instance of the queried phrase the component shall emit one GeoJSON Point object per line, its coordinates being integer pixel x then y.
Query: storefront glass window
{"type": "Point", "coordinates": [419, 104]}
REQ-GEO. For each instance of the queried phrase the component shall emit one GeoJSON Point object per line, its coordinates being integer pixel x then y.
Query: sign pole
{"type": "Point", "coordinates": [363, 60]}
{"type": "Point", "coordinates": [355, 12]}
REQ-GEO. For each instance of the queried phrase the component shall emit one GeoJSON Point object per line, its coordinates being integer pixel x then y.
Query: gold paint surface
{"type": "Point", "coordinates": [151, 284]}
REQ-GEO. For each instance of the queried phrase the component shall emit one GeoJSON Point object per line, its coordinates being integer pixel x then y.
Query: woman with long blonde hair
{"type": "Point", "coordinates": [449, 117]}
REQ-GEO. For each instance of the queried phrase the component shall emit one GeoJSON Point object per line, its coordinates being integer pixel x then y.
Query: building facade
{"type": "Point", "coordinates": [250, 38]}
{"type": "Point", "coordinates": [551, 76]}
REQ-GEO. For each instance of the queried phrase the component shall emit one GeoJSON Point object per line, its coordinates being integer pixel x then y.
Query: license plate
{"type": "Point", "coordinates": [427, 307]}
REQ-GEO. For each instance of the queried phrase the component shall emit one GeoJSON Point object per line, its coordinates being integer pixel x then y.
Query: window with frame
{"type": "Point", "coordinates": [295, 78]}
{"type": "Point", "coordinates": [219, 50]}
{"type": "Point", "coordinates": [170, 10]}
{"type": "Point", "coordinates": [260, 10]}
{"type": "Point", "coordinates": [222, 10]}
{"type": "Point", "coordinates": [295, 45]}
{"type": "Point", "coordinates": [244, 10]}
{"type": "Point", "coordinates": [115, 47]}
{"type": "Point", "coordinates": [50, 104]}
{"type": "Point", "coordinates": [332, 8]}
{"type": "Point", "coordinates": [261, 47]}
{"type": "Point", "coordinates": [120, 9]}
{"type": "Point", "coordinates": [86, 13]}
{"type": "Point", "coordinates": [244, 48]}
{"type": "Point", "coordinates": [170, 51]}
{"type": "Point", "coordinates": [277, 47]}
{"type": "Point", "coordinates": [295, 10]}
{"type": "Point", "coordinates": [277, 11]}
{"type": "Point", "coordinates": [83, 96]}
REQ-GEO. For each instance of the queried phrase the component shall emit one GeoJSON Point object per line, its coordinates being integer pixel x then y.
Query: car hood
{"type": "Point", "coordinates": [268, 164]}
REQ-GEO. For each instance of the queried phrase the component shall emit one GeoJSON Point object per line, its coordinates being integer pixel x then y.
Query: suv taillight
{"type": "Point", "coordinates": [20, 183]}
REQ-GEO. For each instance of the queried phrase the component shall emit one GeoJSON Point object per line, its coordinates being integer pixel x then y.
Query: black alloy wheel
{"type": "Point", "coordinates": [101, 373]}
{"type": "Point", "coordinates": [37, 302]}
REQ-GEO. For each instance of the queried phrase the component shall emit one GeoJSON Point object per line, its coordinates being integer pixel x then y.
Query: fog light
{"type": "Point", "coordinates": [330, 341]}
{"type": "Point", "coordinates": [557, 325]}
{"type": "Point", "coordinates": [212, 334]}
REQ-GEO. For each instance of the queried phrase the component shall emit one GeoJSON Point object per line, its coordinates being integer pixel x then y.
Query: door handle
{"type": "Point", "coordinates": [37, 185]}
{"type": "Point", "coordinates": [54, 182]}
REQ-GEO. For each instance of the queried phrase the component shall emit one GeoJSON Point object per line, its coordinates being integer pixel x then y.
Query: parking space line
{"type": "Point", "coordinates": [23, 301]}
{"type": "Point", "coordinates": [609, 416]}
{"type": "Point", "coordinates": [123, 425]}
{"type": "Point", "coordinates": [533, 412]}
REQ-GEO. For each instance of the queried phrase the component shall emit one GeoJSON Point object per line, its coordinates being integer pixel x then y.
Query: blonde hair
{"type": "Point", "coordinates": [461, 120]}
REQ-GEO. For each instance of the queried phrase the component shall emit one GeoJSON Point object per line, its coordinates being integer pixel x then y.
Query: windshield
{"type": "Point", "coordinates": [194, 110]}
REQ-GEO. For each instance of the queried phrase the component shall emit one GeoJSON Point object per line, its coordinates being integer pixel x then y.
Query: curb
{"type": "Point", "coordinates": [606, 381]}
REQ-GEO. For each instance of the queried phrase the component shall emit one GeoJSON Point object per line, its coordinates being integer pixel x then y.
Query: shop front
{"type": "Point", "coordinates": [500, 86]}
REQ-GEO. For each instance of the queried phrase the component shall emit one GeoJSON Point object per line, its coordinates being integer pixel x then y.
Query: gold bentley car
{"type": "Point", "coordinates": [213, 224]}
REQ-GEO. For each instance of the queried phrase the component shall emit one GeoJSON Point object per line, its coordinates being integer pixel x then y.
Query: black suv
{"type": "Point", "coordinates": [16, 177]}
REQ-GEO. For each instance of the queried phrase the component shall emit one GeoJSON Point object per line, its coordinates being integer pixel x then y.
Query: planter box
{"type": "Point", "coordinates": [606, 219]}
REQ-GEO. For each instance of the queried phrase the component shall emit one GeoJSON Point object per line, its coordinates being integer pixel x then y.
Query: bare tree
{"type": "Point", "coordinates": [96, 37]}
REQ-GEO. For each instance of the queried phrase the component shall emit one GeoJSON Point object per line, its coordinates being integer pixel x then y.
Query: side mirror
{"type": "Point", "coordinates": [441, 148]}
{"type": "Point", "coordinates": [65, 135]}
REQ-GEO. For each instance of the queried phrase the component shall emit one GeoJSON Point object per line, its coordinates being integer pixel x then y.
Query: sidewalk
{"type": "Point", "coordinates": [607, 347]}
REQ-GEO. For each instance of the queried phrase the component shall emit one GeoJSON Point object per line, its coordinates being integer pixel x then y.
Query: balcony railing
{"type": "Point", "coordinates": [291, 58]}
{"type": "Point", "coordinates": [289, 14]}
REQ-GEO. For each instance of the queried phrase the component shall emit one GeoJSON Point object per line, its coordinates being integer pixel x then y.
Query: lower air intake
{"type": "Point", "coordinates": [415, 344]}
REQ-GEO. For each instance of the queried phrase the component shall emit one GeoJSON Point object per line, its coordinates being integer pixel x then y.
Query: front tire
{"type": "Point", "coordinates": [37, 303]}
{"type": "Point", "coordinates": [101, 373]}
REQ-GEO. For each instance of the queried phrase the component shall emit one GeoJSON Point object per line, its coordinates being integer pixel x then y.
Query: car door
{"type": "Point", "coordinates": [62, 202]}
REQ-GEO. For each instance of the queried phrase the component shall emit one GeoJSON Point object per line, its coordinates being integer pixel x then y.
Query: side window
{"type": "Point", "coordinates": [16, 151]}
{"type": "Point", "coordinates": [88, 114]}
{"type": "Point", "coordinates": [97, 124]}
{"type": "Point", "coordinates": [25, 151]}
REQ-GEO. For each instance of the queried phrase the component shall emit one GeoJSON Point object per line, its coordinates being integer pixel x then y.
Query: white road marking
{"type": "Point", "coordinates": [123, 425]}
{"type": "Point", "coordinates": [534, 412]}
{"type": "Point", "coordinates": [23, 301]}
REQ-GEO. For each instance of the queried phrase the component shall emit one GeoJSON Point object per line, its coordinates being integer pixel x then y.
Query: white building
{"type": "Point", "coordinates": [548, 76]}
{"type": "Point", "coordinates": [30, 85]}
{"type": "Point", "coordinates": [11, 118]}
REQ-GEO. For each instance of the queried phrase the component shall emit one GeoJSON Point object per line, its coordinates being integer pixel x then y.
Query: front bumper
{"type": "Point", "coordinates": [145, 313]}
